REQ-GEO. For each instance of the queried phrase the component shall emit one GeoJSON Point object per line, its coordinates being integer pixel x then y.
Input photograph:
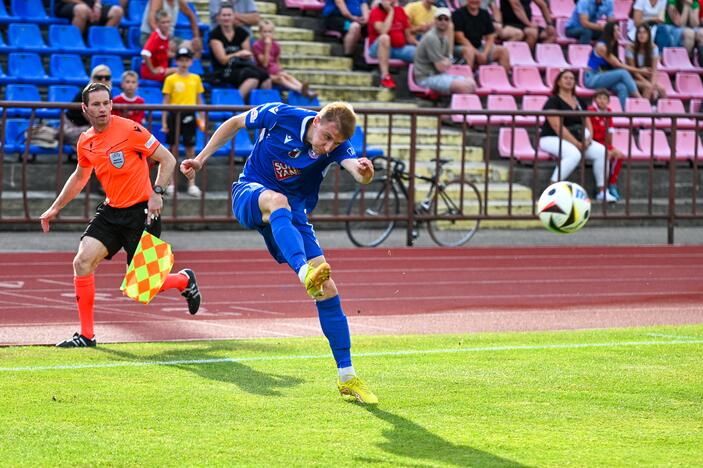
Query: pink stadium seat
{"type": "Point", "coordinates": [532, 103]}
{"type": "Point", "coordinates": [522, 148]}
{"type": "Point", "coordinates": [494, 80]}
{"type": "Point", "coordinates": [529, 80]}
{"type": "Point", "coordinates": [625, 142]}
{"type": "Point", "coordinates": [660, 149]}
{"type": "Point", "coordinates": [664, 80]}
{"type": "Point", "coordinates": [686, 141]}
{"type": "Point", "coordinates": [578, 55]}
{"type": "Point", "coordinates": [674, 106]}
{"type": "Point", "coordinates": [469, 102]}
{"type": "Point", "coordinates": [501, 102]}
{"type": "Point", "coordinates": [561, 32]}
{"type": "Point", "coordinates": [675, 59]}
{"type": "Point", "coordinates": [394, 63]}
{"type": "Point", "coordinates": [562, 8]}
{"type": "Point", "coordinates": [413, 87]}
{"type": "Point", "coordinates": [313, 5]}
{"type": "Point", "coordinates": [550, 55]}
{"type": "Point", "coordinates": [689, 84]}
{"type": "Point", "coordinates": [621, 9]}
{"type": "Point", "coordinates": [618, 121]}
{"type": "Point", "coordinates": [695, 106]}
{"type": "Point", "coordinates": [639, 106]}
{"type": "Point", "coordinates": [461, 70]}
{"type": "Point", "coordinates": [520, 53]}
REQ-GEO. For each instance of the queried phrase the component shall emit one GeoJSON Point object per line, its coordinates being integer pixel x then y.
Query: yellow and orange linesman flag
{"type": "Point", "coordinates": [151, 264]}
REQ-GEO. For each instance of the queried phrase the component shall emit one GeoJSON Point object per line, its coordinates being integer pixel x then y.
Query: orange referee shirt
{"type": "Point", "coordinates": [119, 155]}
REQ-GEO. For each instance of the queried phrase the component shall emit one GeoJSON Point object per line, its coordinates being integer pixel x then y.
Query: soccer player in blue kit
{"type": "Point", "coordinates": [279, 185]}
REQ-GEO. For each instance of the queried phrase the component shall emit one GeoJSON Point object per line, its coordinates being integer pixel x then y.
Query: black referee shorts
{"type": "Point", "coordinates": [120, 228]}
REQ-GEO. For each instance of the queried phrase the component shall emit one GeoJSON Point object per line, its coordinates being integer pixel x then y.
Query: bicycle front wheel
{"type": "Point", "coordinates": [456, 198]}
{"type": "Point", "coordinates": [372, 201]}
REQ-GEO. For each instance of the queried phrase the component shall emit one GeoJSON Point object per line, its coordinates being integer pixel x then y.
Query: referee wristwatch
{"type": "Point", "coordinates": [159, 190]}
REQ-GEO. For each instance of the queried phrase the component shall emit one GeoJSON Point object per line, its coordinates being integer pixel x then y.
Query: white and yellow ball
{"type": "Point", "coordinates": [564, 207]}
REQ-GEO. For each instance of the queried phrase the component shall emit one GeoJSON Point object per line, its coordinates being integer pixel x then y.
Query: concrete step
{"type": "Point", "coordinates": [315, 62]}
{"type": "Point", "coordinates": [351, 94]}
{"type": "Point", "coordinates": [266, 7]}
{"type": "Point", "coordinates": [329, 77]}
{"type": "Point", "coordinates": [288, 33]}
{"type": "Point", "coordinates": [401, 136]}
{"type": "Point", "coordinates": [497, 191]}
{"type": "Point", "coordinates": [203, 9]}
{"type": "Point", "coordinates": [429, 152]}
{"type": "Point", "coordinates": [399, 121]}
{"type": "Point", "coordinates": [305, 48]}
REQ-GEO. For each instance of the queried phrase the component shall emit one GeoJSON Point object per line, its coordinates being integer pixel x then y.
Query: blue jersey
{"type": "Point", "coordinates": [282, 160]}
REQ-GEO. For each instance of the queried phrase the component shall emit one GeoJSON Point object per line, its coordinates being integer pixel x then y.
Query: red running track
{"type": "Point", "coordinates": [384, 291]}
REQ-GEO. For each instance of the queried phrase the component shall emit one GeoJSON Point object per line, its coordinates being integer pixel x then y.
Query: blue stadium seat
{"type": "Point", "coordinates": [4, 48]}
{"type": "Point", "coordinates": [27, 68]}
{"type": "Point", "coordinates": [21, 92]}
{"type": "Point", "coordinates": [262, 96]}
{"type": "Point", "coordinates": [133, 15]}
{"type": "Point", "coordinates": [297, 99]}
{"type": "Point", "coordinates": [5, 17]}
{"type": "Point", "coordinates": [32, 11]}
{"type": "Point", "coordinates": [68, 68]}
{"type": "Point", "coordinates": [137, 67]}
{"type": "Point", "coordinates": [134, 37]}
{"type": "Point", "coordinates": [107, 40]}
{"type": "Point", "coordinates": [224, 97]}
{"type": "Point", "coordinates": [15, 139]}
{"type": "Point", "coordinates": [152, 96]}
{"type": "Point", "coordinates": [26, 37]}
{"type": "Point", "coordinates": [112, 61]}
{"type": "Point", "coordinates": [183, 22]}
{"type": "Point", "coordinates": [58, 93]}
{"type": "Point", "coordinates": [4, 78]}
{"type": "Point", "coordinates": [67, 38]}
{"type": "Point", "coordinates": [196, 67]}
{"type": "Point", "coordinates": [357, 141]}
{"type": "Point", "coordinates": [242, 144]}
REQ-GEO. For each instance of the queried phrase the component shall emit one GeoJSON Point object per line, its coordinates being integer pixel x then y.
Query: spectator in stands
{"type": "Point", "coordinates": [183, 88]}
{"type": "Point", "coordinates": [245, 13]}
{"type": "Point", "coordinates": [390, 37]}
{"type": "Point", "coordinates": [583, 24]}
{"type": "Point", "coordinates": [266, 52]}
{"type": "Point", "coordinates": [421, 15]}
{"type": "Point", "coordinates": [652, 12]}
{"type": "Point", "coordinates": [129, 85]}
{"type": "Point", "coordinates": [566, 138]}
{"type": "Point", "coordinates": [434, 57]}
{"type": "Point", "coordinates": [602, 133]}
{"type": "Point", "coordinates": [605, 70]}
{"type": "Point", "coordinates": [82, 13]}
{"type": "Point", "coordinates": [349, 18]}
{"type": "Point", "coordinates": [518, 14]}
{"type": "Point", "coordinates": [233, 62]}
{"type": "Point", "coordinates": [173, 7]}
{"type": "Point", "coordinates": [644, 54]}
{"type": "Point", "coordinates": [474, 36]}
{"type": "Point", "coordinates": [504, 33]}
{"type": "Point", "coordinates": [75, 122]}
{"type": "Point", "coordinates": [155, 52]}
{"type": "Point", "coordinates": [685, 15]}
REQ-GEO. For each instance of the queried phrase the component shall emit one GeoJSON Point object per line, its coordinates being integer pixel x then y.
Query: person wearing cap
{"type": "Point", "coordinates": [186, 89]}
{"type": "Point", "coordinates": [75, 122]}
{"type": "Point", "coordinates": [433, 59]}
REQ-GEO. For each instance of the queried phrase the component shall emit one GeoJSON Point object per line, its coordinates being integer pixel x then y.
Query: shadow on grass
{"type": "Point", "coordinates": [408, 439]}
{"type": "Point", "coordinates": [235, 373]}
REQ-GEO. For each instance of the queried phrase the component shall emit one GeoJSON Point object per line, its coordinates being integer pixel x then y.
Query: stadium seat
{"type": "Point", "coordinates": [303, 5]}
{"type": "Point", "coordinates": [26, 37]}
{"type": "Point", "coordinates": [674, 106]}
{"type": "Point", "coordinates": [413, 87]}
{"type": "Point", "coordinates": [660, 148]}
{"type": "Point", "coordinates": [5, 17]}
{"type": "Point", "coordinates": [393, 63]}
{"type": "Point", "coordinates": [675, 59]}
{"type": "Point", "coordinates": [68, 69]}
{"type": "Point", "coordinates": [107, 40]}
{"type": "Point", "coordinates": [665, 81]}
{"type": "Point", "coordinates": [639, 106]}
{"type": "Point", "coordinates": [262, 96]}
{"type": "Point", "coordinates": [133, 15]}
{"type": "Point", "coordinates": [581, 90]}
{"type": "Point", "coordinates": [358, 143]}
{"type": "Point", "coordinates": [562, 8]}
{"type": "Point", "coordinates": [689, 84]}
{"type": "Point", "coordinates": [532, 103]}
{"type": "Point", "coordinates": [494, 80]}
{"type": "Point", "coordinates": [616, 107]}
{"type": "Point", "coordinates": [242, 144]}
{"type": "Point", "coordinates": [113, 62]}
{"type": "Point", "coordinates": [67, 38]}
{"type": "Point", "coordinates": [688, 145]}
{"type": "Point", "coordinates": [27, 68]}
{"type": "Point", "coordinates": [471, 103]}
{"type": "Point", "coordinates": [550, 55]}
{"type": "Point", "coordinates": [32, 11]}
{"type": "Point", "coordinates": [151, 96]}
{"type": "Point", "coordinates": [578, 54]}
{"type": "Point", "coordinates": [183, 22]}
{"type": "Point", "coordinates": [501, 102]}
{"type": "Point", "coordinates": [625, 142]}
{"type": "Point", "coordinates": [297, 99]}
{"type": "Point", "coordinates": [3, 77]}
{"type": "Point", "coordinates": [621, 9]}
{"type": "Point", "coordinates": [58, 93]}
{"type": "Point", "coordinates": [136, 65]}
{"type": "Point", "coordinates": [134, 38]}
{"type": "Point", "coordinates": [225, 97]}
{"type": "Point", "coordinates": [562, 38]}
{"type": "Point", "coordinates": [529, 80]}
{"type": "Point", "coordinates": [520, 53]}
{"type": "Point", "coordinates": [522, 148]}
{"type": "Point", "coordinates": [4, 48]}
{"type": "Point", "coordinates": [15, 139]}
{"type": "Point", "coordinates": [21, 92]}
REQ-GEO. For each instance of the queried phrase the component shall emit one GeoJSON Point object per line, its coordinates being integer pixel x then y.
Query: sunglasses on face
{"type": "Point", "coordinates": [102, 77]}
{"type": "Point", "coordinates": [442, 18]}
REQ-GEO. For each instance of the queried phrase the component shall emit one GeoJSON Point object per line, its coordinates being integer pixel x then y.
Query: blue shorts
{"type": "Point", "coordinates": [245, 207]}
{"type": "Point", "coordinates": [405, 53]}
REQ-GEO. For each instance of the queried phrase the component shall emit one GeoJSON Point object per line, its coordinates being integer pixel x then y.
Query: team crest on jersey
{"type": "Point", "coordinates": [253, 114]}
{"type": "Point", "coordinates": [284, 171]}
{"type": "Point", "coordinates": [117, 159]}
{"type": "Point", "coordinates": [313, 154]}
{"type": "Point", "coordinates": [294, 153]}
{"type": "Point", "coordinates": [351, 152]}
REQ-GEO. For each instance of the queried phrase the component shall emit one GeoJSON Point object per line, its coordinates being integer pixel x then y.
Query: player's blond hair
{"type": "Point", "coordinates": [342, 114]}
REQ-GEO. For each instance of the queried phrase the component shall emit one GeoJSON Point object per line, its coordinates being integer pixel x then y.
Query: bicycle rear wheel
{"type": "Point", "coordinates": [372, 201]}
{"type": "Point", "coordinates": [456, 198]}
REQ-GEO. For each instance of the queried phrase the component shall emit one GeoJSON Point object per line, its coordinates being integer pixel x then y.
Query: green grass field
{"type": "Point", "coordinates": [587, 398]}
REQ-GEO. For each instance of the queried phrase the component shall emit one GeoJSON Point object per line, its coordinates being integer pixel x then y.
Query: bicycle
{"type": "Point", "coordinates": [446, 201]}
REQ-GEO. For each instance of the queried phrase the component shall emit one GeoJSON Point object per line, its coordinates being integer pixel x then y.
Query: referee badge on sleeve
{"type": "Point", "coordinates": [117, 159]}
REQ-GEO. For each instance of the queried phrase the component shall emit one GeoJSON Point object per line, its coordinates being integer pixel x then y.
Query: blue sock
{"type": "Point", "coordinates": [335, 327]}
{"type": "Point", "coordinates": [288, 238]}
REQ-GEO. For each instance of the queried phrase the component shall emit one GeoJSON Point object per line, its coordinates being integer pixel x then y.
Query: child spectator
{"type": "Point", "coordinates": [602, 133]}
{"type": "Point", "coordinates": [183, 88]}
{"type": "Point", "coordinates": [266, 52]}
{"type": "Point", "coordinates": [155, 52]}
{"type": "Point", "coordinates": [129, 96]}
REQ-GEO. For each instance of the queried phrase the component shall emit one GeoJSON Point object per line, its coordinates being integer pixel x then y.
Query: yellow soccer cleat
{"type": "Point", "coordinates": [315, 278]}
{"type": "Point", "coordinates": [358, 389]}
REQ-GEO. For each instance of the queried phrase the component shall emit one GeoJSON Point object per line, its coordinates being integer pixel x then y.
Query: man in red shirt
{"type": "Point", "coordinates": [129, 84]}
{"type": "Point", "coordinates": [117, 149]}
{"type": "Point", "coordinates": [156, 49]}
{"type": "Point", "coordinates": [390, 37]}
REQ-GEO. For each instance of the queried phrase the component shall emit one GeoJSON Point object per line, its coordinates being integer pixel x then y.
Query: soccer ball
{"type": "Point", "coordinates": [564, 207]}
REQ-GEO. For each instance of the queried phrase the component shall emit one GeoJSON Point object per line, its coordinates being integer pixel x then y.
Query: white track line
{"type": "Point", "coordinates": [413, 352]}
{"type": "Point", "coordinates": [676, 337]}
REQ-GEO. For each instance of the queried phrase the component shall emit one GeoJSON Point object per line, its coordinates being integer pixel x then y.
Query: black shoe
{"type": "Point", "coordinates": [78, 341]}
{"type": "Point", "coordinates": [191, 292]}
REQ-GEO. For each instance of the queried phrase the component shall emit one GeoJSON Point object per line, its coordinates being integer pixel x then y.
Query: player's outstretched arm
{"type": "Point", "coordinates": [222, 135]}
{"type": "Point", "coordinates": [70, 190]}
{"type": "Point", "coordinates": [361, 169]}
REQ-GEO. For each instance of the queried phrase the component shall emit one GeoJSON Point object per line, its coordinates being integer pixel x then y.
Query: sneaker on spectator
{"type": "Point", "coordinates": [613, 189]}
{"type": "Point", "coordinates": [387, 82]}
{"type": "Point", "coordinates": [194, 191]}
{"type": "Point", "coordinates": [605, 195]}
{"type": "Point", "coordinates": [169, 191]}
